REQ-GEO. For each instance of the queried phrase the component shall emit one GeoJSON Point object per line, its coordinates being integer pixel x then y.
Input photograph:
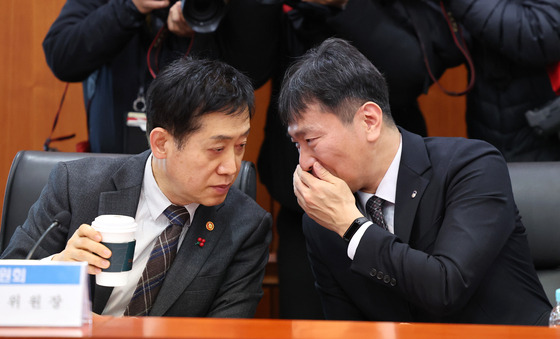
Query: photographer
{"type": "Point", "coordinates": [105, 44]}
{"type": "Point", "coordinates": [513, 42]}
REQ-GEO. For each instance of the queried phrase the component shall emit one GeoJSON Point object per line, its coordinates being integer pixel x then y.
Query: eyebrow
{"type": "Point", "coordinates": [228, 137]}
{"type": "Point", "coordinates": [302, 132]}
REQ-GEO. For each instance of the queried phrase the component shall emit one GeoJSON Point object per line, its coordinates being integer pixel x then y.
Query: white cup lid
{"type": "Point", "coordinates": [114, 222]}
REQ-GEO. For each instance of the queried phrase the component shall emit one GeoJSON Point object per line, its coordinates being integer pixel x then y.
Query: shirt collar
{"type": "Point", "coordinates": [387, 189]}
{"type": "Point", "coordinates": [156, 201]}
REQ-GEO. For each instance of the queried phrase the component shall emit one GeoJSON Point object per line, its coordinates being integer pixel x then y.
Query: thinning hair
{"type": "Point", "coordinates": [337, 77]}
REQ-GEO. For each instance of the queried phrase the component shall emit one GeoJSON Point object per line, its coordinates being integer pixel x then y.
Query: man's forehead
{"type": "Point", "coordinates": [299, 128]}
{"type": "Point", "coordinates": [311, 121]}
{"type": "Point", "coordinates": [294, 131]}
{"type": "Point", "coordinates": [230, 136]}
{"type": "Point", "coordinates": [301, 123]}
{"type": "Point", "coordinates": [221, 126]}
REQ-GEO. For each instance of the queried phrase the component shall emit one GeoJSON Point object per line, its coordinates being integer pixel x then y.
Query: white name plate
{"type": "Point", "coordinates": [44, 293]}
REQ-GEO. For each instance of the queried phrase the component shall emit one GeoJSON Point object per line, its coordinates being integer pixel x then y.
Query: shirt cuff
{"type": "Point", "coordinates": [49, 258]}
{"type": "Point", "coordinates": [355, 241]}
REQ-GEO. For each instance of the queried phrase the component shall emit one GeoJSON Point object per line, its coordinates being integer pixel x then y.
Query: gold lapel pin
{"type": "Point", "coordinates": [210, 226]}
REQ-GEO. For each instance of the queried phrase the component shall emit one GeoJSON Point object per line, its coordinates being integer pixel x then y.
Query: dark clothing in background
{"type": "Point", "coordinates": [512, 43]}
{"type": "Point", "coordinates": [104, 44]}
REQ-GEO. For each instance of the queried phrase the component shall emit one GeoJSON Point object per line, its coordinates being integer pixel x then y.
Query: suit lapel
{"type": "Point", "coordinates": [413, 178]}
{"type": "Point", "coordinates": [190, 258]}
{"type": "Point", "coordinates": [128, 184]}
{"type": "Point", "coordinates": [124, 200]}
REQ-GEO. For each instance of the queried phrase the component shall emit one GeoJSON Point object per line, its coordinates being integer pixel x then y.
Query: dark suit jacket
{"type": "Point", "coordinates": [459, 252]}
{"type": "Point", "coordinates": [222, 279]}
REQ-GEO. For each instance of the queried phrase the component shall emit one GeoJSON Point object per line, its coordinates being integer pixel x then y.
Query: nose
{"type": "Point", "coordinates": [306, 160]}
{"type": "Point", "coordinates": [229, 165]}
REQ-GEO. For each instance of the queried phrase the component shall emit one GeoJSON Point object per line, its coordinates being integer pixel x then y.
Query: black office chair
{"type": "Point", "coordinates": [30, 171]}
{"type": "Point", "coordinates": [536, 189]}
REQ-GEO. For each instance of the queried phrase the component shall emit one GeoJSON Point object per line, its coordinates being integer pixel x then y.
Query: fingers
{"type": "Point", "coordinates": [304, 178]}
{"type": "Point", "coordinates": [175, 16]}
{"type": "Point", "coordinates": [176, 22]}
{"type": "Point", "coordinates": [326, 198]}
{"type": "Point", "coordinates": [301, 181]}
{"type": "Point", "coordinates": [322, 173]}
{"type": "Point", "coordinates": [298, 186]}
{"type": "Point", "coordinates": [84, 245]}
{"type": "Point", "coordinates": [307, 188]}
{"type": "Point", "coordinates": [146, 6]}
{"type": "Point", "coordinates": [89, 239]}
{"type": "Point", "coordinates": [86, 231]}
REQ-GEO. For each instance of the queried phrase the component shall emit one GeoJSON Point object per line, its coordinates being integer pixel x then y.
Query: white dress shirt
{"type": "Point", "coordinates": [387, 190]}
{"type": "Point", "coordinates": [151, 222]}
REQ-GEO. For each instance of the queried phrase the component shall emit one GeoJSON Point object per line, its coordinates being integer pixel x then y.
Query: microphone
{"type": "Point", "coordinates": [62, 218]}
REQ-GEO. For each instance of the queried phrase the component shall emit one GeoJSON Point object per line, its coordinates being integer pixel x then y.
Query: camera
{"type": "Point", "coordinates": [545, 120]}
{"type": "Point", "coordinates": [204, 16]}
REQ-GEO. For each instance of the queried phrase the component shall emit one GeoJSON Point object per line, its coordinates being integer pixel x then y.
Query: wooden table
{"type": "Point", "coordinates": [153, 327]}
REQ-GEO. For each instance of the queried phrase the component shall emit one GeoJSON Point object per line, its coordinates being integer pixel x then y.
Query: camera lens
{"type": "Point", "coordinates": [202, 10]}
{"type": "Point", "coordinates": [203, 16]}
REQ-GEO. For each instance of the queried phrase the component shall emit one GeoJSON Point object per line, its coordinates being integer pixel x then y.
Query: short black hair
{"type": "Point", "coordinates": [336, 76]}
{"type": "Point", "coordinates": [189, 88]}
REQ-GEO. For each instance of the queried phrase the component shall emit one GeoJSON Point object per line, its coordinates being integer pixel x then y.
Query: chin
{"type": "Point", "coordinates": [213, 201]}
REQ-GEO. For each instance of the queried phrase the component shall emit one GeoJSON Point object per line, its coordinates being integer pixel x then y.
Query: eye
{"type": "Point", "coordinates": [218, 149]}
{"type": "Point", "coordinates": [310, 140]}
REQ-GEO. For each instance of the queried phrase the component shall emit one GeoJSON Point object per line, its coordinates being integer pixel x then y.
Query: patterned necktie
{"type": "Point", "coordinates": [160, 260]}
{"type": "Point", "coordinates": [373, 207]}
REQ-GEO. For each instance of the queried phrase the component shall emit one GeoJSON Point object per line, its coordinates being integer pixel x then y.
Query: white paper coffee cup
{"type": "Point", "coordinates": [118, 233]}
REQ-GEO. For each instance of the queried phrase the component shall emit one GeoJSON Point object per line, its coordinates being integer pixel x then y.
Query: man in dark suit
{"type": "Point", "coordinates": [197, 123]}
{"type": "Point", "coordinates": [442, 240]}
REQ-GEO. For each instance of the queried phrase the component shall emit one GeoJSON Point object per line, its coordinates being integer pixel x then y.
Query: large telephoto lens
{"type": "Point", "coordinates": [203, 16]}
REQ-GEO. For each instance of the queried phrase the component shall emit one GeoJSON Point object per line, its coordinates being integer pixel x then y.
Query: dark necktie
{"type": "Point", "coordinates": [373, 207]}
{"type": "Point", "coordinates": [160, 260]}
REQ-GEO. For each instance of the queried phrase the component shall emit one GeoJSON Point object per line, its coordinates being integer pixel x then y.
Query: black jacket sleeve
{"type": "Point", "coordinates": [248, 38]}
{"type": "Point", "coordinates": [526, 31]}
{"type": "Point", "coordinates": [88, 34]}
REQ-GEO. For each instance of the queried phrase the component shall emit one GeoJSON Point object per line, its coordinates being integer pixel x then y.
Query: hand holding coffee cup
{"type": "Point", "coordinates": [85, 245]}
{"type": "Point", "coordinates": [118, 233]}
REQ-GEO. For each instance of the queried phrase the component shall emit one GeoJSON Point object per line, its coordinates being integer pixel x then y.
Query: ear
{"type": "Point", "coordinates": [160, 141]}
{"type": "Point", "coordinates": [372, 116]}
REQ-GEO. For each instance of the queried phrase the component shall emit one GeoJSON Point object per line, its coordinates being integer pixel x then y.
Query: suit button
{"type": "Point", "coordinates": [373, 272]}
{"type": "Point", "coordinates": [386, 279]}
{"type": "Point", "coordinates": [393, 282]}
{"type": "Point", "coordinates": [379, 275]}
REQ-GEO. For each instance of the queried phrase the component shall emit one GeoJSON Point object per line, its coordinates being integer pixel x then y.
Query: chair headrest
{"type": "Point", "coordinates": [536, 190]}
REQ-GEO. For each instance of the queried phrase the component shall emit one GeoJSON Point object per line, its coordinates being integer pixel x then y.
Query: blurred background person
{"type": "Point", "coordinates": [116, 47]}
{"type": "Point", "coordinates": [513, 42]}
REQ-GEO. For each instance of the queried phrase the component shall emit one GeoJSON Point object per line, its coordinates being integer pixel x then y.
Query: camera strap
{"type": "Point", "coordinates": [554, 76]}
{"type": "Point", "coordinates": [156, 46]}
{"type": "Point", "coordinates": [46, 145]}
{"type": "Point", "coordinates": [458, 40]}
